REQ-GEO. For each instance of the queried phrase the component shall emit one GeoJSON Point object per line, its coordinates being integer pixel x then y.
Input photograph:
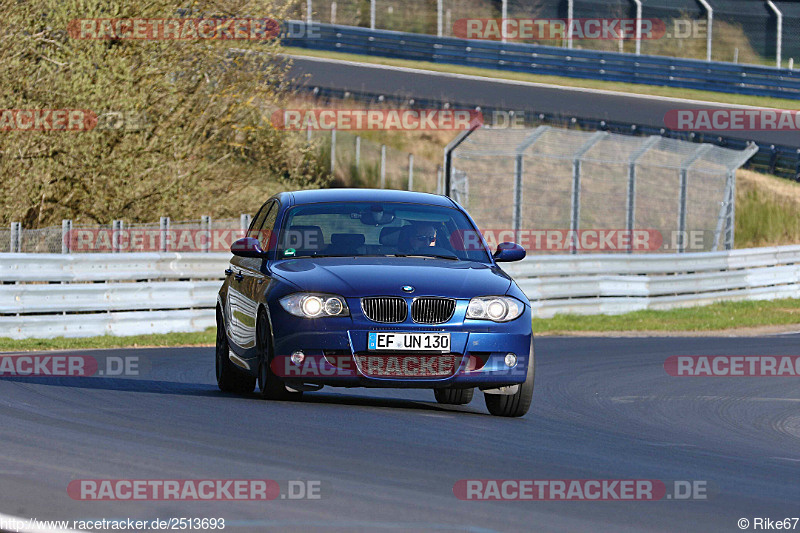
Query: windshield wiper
{"type": "Point", "coordinates": [428, 256]}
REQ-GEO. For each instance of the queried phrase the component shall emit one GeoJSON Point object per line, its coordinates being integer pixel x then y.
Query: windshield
{"type": "Point", "coordinates": [367, 229]}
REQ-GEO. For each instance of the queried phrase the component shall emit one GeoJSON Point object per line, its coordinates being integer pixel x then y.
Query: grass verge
{"type": "Point", "coordinates": [723, 316]}
{"type": "Point", "coordinates": [634, 88]}
{"type": "Point", "coordinates": [203, 338]}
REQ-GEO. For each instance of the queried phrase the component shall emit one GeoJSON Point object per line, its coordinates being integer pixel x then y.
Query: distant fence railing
{"type": "Point", "coordinates": [780, 160]}
{"type": "Point", "coordinates": [549, 60]}
{"type": "Point", "coordinates": [52, 295]}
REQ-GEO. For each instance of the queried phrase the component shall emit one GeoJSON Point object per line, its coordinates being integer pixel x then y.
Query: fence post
{"type": "Point", "coordinates": [66, 235]}
{"type": "Point", "coordinates": [410, 172]}
{"type": "Point", "coordinates": [710, 24]}
{"type": "Point", "coordinates": [575, 212]}
{"type": "Point", "coordinates": [504, 15]}
{"type": "Point", "coordinates": [383, 166]}
{"type": "Point", "coordinates": [308, 13]}
{"type": "Point", "coordinates": [779, 36]}
{"type": "Point", "coordinates": [638, 26]}
{"type": "Point", "coordinates": [729, 231]}
{"type": "Point", "coordinates": [372, 14]}
{"type": "Point", "coordinates": [333, 150]}
{"type": "Point", "coordinates": [163, 229]}
{"type": "Point", "coordinates": [630, 203]}
{"type": "Point", "coordinates": [570, 6]}
{"type": "Point", "coordinates": [358, 152]}
{"type": "Point", "coordinates": [205, 227]}
{"type": "Point", "coordinates": [439, 18]}
{"type": "Point", "coordinates": [333, 12]}
{"type": "Point", "coordinates": [439, 183]}
{"type": "Point", "coordinates": [244, 223]}
{"type": "Point", "coordinates": [15, 246]}
{"type": "Point", "coordinates": [117, 227]}
{"type": "Point", "coordinates": [685, 165]}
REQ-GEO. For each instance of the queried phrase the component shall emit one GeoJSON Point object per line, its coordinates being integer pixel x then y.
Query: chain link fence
{"type": "Point", "coordinates": [560, 191]}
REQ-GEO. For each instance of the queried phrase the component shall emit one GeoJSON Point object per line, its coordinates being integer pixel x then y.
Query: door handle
{"type": "Point", "coordinates": [238, 276]}
{"type": "Point", "coordinates": [228, 271]}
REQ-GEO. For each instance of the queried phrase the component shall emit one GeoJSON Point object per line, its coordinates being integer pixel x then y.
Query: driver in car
{"type": "Point", "coordinates": [418, 238]}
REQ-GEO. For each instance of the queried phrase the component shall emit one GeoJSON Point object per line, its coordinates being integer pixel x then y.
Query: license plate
{"type": "Point", "coordinates": [412, 342]}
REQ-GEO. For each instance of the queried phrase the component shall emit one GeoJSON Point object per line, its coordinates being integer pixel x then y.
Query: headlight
{"type": "Point", "coordinates": [494, 308]}
{"type": "Point", "coordinates": [308, 305]}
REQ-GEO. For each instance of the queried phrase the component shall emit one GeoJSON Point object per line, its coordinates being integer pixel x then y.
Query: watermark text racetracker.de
{"type": "Point", "coordinates": [733, 365]}
{"type": "Point", "coordinates": [194, 489]}
{"type": "Point", "coordinates": [180, 29]}
{"type": "Point", "coordinates": [579, 490]}
{"type": "Point", "coordinates": [376, 119]}
{"type": "Point", "coordinates": [67, 365]}
{"type": "Point", "coordinates": [732, 119]}
{"type": "Point", "coordinates": [615, 29]}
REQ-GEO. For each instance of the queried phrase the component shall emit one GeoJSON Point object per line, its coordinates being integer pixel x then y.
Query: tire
{"type": "Point", "coordinates": [450, 396]}
{"type": "Point", "coordinates": [514, 405]}
{"type": "Point", "coordinates": [270, 386]}
{"type": "Point", "coordinates": [229, 378]}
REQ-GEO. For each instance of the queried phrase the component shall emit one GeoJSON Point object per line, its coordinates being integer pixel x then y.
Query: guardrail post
{"type": "Point", "coordinates": [410, 172]}
{"type": "Point", "coordinates": [163, 230]}
{"type": "Point", "coordinates": [66, 235]}
{"type": "Point", "coordinates": [117, 227]}
{"type": "Point", "coordinates": [333, 150]}
{"type": "Point", "coordinates": [383, 166]}
{"type": "Point", "coordinates": [15, 245]}
{"type": "Point", "coordinates": [205, 227]}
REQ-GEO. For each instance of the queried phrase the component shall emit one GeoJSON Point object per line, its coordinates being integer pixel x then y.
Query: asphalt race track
{"type": "Point", "coordinates": [473, 90]}
{"type": "Point", "coordinates": [388, 459]}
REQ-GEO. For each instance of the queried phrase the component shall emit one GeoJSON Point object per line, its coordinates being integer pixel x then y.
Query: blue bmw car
{"type": "Point", "coordinates": [373, 288]}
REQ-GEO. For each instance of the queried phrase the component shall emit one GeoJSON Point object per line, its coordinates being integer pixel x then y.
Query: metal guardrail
{"type": "Point", "coordinates": [185, 301]}
{"type": "Point", "coordinates": [611, 284]}
{"type": "Point", "coordinates": [549, 60]}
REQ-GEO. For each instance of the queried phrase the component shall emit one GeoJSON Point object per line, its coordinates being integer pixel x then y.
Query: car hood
{"type": "Point", "coordinates": [362, 276]}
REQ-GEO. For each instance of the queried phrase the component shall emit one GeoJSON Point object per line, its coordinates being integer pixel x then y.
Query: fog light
{"type": "Point", "coordinates": [511, 360]}
{"type": "Point", "coordinates": [298, 358]}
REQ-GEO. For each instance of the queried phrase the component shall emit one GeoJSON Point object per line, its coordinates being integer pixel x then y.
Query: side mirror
{"type": "Point", "coordinates": [508, 251]}
{"type": "Point", "coordinates": [247, 247]}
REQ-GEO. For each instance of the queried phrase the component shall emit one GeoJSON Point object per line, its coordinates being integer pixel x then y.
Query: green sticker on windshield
{"type": "Point", "coordinates": [289, 251]}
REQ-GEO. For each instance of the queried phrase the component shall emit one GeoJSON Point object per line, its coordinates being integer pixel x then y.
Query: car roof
{"type": "Point", "coordinates": [367, 195]}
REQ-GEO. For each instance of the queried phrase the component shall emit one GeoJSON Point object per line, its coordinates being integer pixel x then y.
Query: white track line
{"type": "Point", "coordinates": [456, 76]}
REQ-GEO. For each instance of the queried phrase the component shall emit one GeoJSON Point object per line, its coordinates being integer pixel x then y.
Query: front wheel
{"type": "Point", "coordinates": [450, 396]}
{"type": "Point", "coordinates": [270, 386]}
{"type": "Point", "coordinates": [517, 404]}
{"type": "Point", "coordinates": [229, 378]}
